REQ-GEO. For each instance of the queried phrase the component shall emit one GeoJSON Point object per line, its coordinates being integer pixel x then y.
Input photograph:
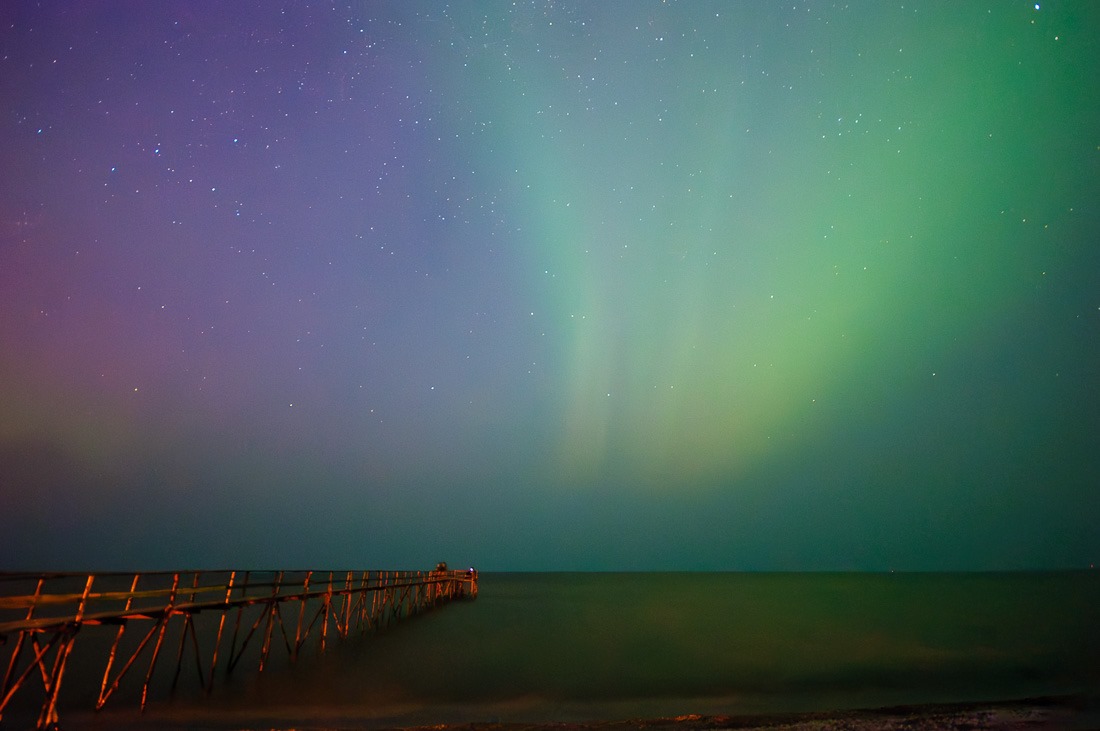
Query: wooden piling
{"type": "Point", "coordinates": [45, 624]}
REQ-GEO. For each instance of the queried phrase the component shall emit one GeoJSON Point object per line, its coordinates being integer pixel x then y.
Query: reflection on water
{"type": "Point", "coordinates": [583, 646]}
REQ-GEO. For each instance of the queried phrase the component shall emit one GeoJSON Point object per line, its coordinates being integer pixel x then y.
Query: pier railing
{"type": "Point", "coordinates": [41, 616]}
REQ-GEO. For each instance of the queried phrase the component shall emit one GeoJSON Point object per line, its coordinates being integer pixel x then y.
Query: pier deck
{"type": "Point", "coordinates": [42, 615]}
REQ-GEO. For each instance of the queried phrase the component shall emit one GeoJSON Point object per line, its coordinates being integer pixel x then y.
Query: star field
{"type": "Point", "coordinates": [549, 285]}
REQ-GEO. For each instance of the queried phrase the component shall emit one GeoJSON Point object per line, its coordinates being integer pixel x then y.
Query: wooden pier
{"type": "Point", "coordinates": [247, 613]}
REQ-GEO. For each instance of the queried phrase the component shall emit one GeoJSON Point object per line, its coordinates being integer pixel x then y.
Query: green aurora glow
{"type": "Point", "coordinates": [602, 285]}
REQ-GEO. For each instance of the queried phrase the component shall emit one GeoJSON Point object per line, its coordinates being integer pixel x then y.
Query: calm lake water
{"type": "Point", "coordinates": [590, 646]}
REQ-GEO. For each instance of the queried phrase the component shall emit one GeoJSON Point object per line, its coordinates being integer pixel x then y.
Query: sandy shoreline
{"type": "Point", "coordinates": [1051, 713]}
{"type": "Point", "coordinates": [1061, 713]}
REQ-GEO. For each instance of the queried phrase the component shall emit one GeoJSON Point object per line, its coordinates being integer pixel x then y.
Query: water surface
{"type": "Point", "coordinates": [587, 646]}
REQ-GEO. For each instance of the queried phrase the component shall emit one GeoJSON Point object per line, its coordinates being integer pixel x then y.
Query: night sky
{"type": "Point", "coordinates": [550, 285]}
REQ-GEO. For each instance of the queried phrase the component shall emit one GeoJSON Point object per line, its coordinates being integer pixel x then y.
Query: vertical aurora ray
{"type": "Point", "coordinates": [580, 277]}
{"type": "Point", "coordinates": [739, 253]}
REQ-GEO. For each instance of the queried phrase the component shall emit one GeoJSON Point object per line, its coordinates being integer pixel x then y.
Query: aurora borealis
{"type": "Point", "coordinates": [550, 285]}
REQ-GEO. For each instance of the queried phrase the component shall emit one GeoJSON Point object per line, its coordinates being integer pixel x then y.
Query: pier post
{"type": "Point", "coordinates": [46, 622]}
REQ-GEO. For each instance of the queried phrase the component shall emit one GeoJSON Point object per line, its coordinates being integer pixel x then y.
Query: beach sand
{"type": "Point", "coordinates": [1053, 714]}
